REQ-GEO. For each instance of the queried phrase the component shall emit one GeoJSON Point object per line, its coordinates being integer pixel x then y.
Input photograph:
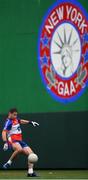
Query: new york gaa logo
{"type": "Point", "coordinates": [63, 50]}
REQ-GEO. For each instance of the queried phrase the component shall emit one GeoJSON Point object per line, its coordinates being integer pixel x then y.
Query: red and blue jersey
{"type": "Point", "coordinates": [14, 132]}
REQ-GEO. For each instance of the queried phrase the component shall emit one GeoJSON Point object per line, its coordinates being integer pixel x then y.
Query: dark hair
{"type": "Point", "coordinates": [13, 110]}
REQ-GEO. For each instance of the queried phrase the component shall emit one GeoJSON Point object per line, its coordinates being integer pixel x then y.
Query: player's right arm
{"type": "Point", "coordinates": [7, 127]}
{"type": "Point", "coordinates": [4, 136]}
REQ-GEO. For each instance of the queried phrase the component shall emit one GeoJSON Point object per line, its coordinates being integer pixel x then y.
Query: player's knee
{"type": "Point", "coordinates": [19, 150]}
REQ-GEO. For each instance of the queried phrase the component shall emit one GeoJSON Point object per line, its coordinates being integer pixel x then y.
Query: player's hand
{"type": "Point", "coordinates": [5, 147]}
{"type": "Point", "coordinates": [34, 123]}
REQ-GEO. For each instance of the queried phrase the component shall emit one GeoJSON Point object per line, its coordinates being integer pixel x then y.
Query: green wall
{"type": "Point", "coordinates": [20, 81]}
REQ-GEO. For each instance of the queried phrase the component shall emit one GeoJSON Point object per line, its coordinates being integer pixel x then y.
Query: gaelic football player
{"type": "Point", "coordinates": [12, 137]}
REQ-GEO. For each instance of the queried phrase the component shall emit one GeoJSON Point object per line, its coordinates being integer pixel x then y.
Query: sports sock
{"type": "Point", "coordinates": [9, 162]}
{"type": "Point", "coordinates": [30, 171]}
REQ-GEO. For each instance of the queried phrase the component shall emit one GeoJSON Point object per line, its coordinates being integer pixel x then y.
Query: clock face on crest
{"type": "Point", "coordinates": [65, 50]}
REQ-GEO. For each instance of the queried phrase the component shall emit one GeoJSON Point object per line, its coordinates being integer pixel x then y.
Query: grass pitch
{"type": "Point", "coordinates": [48, 174]}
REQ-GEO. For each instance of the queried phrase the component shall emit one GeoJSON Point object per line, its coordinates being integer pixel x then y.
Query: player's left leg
{"type": "Point", "coordinates": [27, 150]}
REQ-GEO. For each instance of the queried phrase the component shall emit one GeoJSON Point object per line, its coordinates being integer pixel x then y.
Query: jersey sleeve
{"type": "Point", "coordinates": [8, 125]}
{"type": "Point", "coordinates": [19, 120]}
